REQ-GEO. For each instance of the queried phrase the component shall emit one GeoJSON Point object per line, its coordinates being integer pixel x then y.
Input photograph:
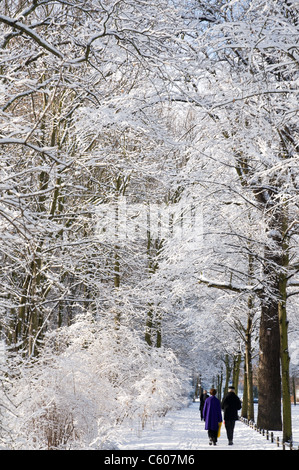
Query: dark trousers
{"type": "Point", "coordinates": [230, 426]}
{"type": "Point", "coordinates": [212, 435]}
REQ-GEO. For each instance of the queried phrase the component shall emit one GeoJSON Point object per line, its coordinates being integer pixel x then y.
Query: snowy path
{"type": "Point", "coordinates": [183, 430]}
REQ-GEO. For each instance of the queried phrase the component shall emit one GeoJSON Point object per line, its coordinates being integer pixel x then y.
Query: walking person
{"type": "Point", "coordinates": [203, 398]}
{"type": "Point", "coordinates": [212, 416]}
{"type": "Point", "coordinates": [231, 403]}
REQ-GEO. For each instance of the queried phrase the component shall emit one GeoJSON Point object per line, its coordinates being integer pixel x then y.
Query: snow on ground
{"type": "Point", "coordinates": [184, 430]}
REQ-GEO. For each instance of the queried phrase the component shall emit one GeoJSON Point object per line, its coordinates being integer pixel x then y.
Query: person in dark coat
{"type": "Point", "coordinates": [203, 398]}
{"type": "Point", "coordinates": [212, 416]}
{"type": "Point", "coordinates": [231, 403]}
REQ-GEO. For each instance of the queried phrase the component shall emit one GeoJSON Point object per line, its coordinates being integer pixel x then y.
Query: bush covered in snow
{"type": "Point", "coordinates": [90, 380]}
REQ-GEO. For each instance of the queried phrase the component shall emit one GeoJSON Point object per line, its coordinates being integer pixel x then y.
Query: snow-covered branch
{"type": "Point", "coordinates": [15, 24]}
{"type": "Point", "coordinates": [42, 150]}
{"type": "Point", "coordinates": [230, 286]}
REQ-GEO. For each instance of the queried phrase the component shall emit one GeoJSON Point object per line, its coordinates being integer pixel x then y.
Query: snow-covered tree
{"type": "Point", "coordinates": [118, 117]}
{"type": "Point", "coordinates": [247, 106]}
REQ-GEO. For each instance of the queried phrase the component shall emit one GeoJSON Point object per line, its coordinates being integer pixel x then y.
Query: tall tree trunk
{"type": "Point", "coordinates": [274, 334]}
{"type": "Point", "coordinates": [249, 376]}
{"type": "Point", "coordinates": [219, 385]}
{"type": "Point", "coordinates": [283, 328]}
{"type": "Point", "coordinates": [159, 330]}
{"type": "Point", "coordinates": [153, 323]}
{"type": "Point", "coordinates": [244, 411]}
{"type": "Point", "coordinates": [269, 377]}
{"type": "Point", "coordinates": [148, 327]}
{"type": "Point", "coordinates": [294, 389]}
{"type": "Point", "coordinates": [248, 360]}
{"type": "Point", "coordinates": [269, 380]}
{"type": "Point", "coordinates": [236, 371]}
{"type": "Point", "coordinates": [285, 361]}
{"type": "Point", "coordinates": [228, 369]}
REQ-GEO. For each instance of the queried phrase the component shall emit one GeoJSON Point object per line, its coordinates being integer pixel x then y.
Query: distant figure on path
{"type": "Point", "coordinates": [231, 403]}
{"type": "Point", "coordinates": [203, 398]}
{"type": "Point", "coordinates": [212, 416]}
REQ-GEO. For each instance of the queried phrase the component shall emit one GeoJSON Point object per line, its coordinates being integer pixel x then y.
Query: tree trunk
{"type": "Point", "coordinates": [244, 411]}
{"type": "Point", "coordinates": [148, 327]}
{"type": "Point", "coordinates": [294, 389]}
{"type": "Point", "coordinates": [274, 334]}
{"type": "Point", "coordinates": [236, 371]}
{"type": "Point", "coordinates": [269, 380]}
{"type": "Point", "coordinates": [153, 323]}
{"type": "Point", "coordinates": [228, 370]}
{"type": "Point", "coordinates": [283, 328]}
{"type": "Point", "coordinates": [285, 361]}
{"type": "Point", "coordinates": [248, 361]}
{"type": "Point", "coordinates": [159, 330]}
{"type": "Point", "coordinates": [249, 379]}
{"type": "Point", "coordinates": [219, 385]}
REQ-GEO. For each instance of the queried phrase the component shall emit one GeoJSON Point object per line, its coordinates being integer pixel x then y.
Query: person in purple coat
{"type": "Point", "coordinates": [212, 416]}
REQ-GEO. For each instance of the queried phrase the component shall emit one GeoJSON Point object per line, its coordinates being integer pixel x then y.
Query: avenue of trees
{"type": "Point", "coordinates": [149, 217]}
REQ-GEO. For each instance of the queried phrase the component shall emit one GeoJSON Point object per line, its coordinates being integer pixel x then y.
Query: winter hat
{"type": "Point", "coordinates": [231, 387]}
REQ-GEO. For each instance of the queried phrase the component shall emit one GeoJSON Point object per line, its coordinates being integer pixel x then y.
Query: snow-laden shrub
{"type": "Point", "coordinates": [90, 380]}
